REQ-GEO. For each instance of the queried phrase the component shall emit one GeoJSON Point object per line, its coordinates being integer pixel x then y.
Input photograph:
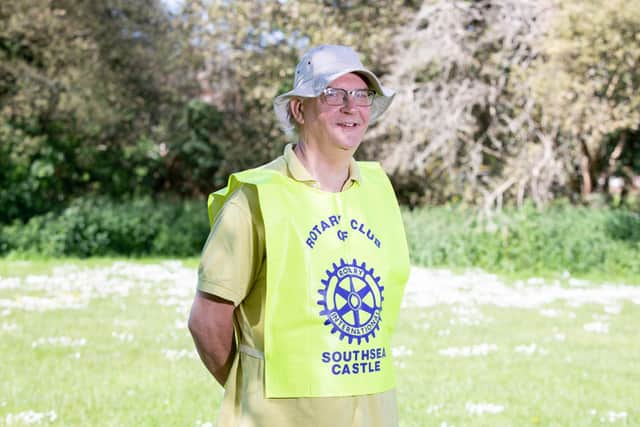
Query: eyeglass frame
{"type": "Point", "coordinates": [371, 94]}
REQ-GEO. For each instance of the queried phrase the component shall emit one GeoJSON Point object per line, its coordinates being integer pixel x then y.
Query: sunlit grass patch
{"type": "Point", "coordinates": [109, 358]}
{"type": "Point", "coordinates": [17, 266]}
{"type": "Point", "coordinates": [106, 344]}
{"type": "Point", "coordinates": [475, 363]}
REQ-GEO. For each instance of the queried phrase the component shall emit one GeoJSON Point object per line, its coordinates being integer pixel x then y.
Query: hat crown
{"type": "Point", "coordinates": [325, 60]}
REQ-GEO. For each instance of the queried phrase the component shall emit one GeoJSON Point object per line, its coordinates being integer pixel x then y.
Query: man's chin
{"type": "Point", "coordinates": [349, 144]}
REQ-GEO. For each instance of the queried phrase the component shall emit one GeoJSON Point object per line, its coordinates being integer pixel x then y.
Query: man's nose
{"type": "Point", "coordinates": [348, 102]}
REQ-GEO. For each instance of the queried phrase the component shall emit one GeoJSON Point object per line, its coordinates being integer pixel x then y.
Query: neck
{"type": "Point", "coordinates": [331, 170]}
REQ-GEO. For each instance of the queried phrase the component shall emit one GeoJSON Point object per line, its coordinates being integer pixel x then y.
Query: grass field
{"type": "Point", "coordinates": [104, 343]}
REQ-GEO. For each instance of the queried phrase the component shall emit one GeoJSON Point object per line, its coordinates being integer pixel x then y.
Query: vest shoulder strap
{"type": "Point", "coordinates": [373, 174]}
{"type": "Point", "coordinates": [255, 176]}
{"type": "Point", "coordinates": [371, 171]}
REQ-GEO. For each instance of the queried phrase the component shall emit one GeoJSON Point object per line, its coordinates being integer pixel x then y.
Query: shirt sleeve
{"type": "Point", "coordinates": [230, 258]}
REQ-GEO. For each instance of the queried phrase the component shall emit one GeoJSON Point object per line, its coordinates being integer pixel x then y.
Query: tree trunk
{"type": "Point", "coordinates": [586, 163]}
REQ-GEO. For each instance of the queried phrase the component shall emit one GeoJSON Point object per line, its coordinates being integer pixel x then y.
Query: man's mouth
{"type": "Point", "coordinates": [348, 124]}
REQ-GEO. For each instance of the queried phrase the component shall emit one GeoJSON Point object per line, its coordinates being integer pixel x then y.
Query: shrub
{"type": "Point", "coordinates": [562, 237]}
{"type": "Point", "coordinates": [624, 225]}
{"type": "Point", "coordinates": [99, 226]}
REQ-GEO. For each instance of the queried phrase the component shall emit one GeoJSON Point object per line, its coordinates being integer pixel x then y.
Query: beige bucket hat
{"type": "Point", "coordinates": [320, 66]}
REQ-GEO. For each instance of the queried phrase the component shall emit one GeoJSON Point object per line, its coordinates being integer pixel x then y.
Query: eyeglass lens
{"type": "Point", "coordinates": [337, 96]}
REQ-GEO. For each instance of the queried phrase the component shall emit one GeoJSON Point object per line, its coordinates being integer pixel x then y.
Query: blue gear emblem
{"type": "Point", "coordinates": [352, 301]}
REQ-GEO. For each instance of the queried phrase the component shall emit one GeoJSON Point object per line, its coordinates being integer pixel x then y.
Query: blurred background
{"type": "Point", "coordinates": [513, 141]}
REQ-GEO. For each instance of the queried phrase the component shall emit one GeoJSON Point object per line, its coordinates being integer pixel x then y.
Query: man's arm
{"type": "Point", "coordinates": [211, 326]}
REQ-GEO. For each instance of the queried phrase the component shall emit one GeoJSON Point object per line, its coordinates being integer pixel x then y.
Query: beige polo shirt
{"type": "Point", "coordinates": [233, 267]}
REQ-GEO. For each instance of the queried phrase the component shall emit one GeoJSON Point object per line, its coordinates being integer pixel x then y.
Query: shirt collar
{"type": "Point", "coordinates": [298, 172]}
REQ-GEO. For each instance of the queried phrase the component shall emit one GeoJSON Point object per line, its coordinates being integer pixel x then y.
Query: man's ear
{"type": "Point", "coordinates": [296, 108]}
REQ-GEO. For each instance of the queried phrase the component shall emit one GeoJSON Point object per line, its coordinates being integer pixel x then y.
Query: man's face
{"type": "Point", "coordinates": [341, 126]}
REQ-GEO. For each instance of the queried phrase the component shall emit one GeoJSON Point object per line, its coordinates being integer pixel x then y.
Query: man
{"type": "Point", "coordinates": [303, 272]}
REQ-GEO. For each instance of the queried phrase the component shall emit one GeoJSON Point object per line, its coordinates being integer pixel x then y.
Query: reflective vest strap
{"type": "Point", "coordinates": [216, 200]}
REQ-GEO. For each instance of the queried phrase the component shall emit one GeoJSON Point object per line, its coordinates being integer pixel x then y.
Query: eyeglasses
{"type": "Point", "coordinates": [336, 96]}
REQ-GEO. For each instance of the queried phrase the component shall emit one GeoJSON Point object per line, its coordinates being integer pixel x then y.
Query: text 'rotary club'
{"type": "Point", "coordinates": [356, 227]}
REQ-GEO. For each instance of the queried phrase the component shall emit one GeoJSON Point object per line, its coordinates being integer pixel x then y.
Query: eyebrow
{"type": "Point", "coordinates": [358, 88]}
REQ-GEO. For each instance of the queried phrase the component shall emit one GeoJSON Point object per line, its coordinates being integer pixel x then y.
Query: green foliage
{"type": "Point", "coordinates": [559, 238]}
{"type": "Point", "coordinates": [588, 87]}
{"type": "Point", "coordinates": [99, 226]}
{"type": "Point", "coordinates": [197, 154]}
{"type": "Point", "coordinates": [89, 93]}
{"type": "Point", "coordinates": [125, 99]}
{"type": "Point", "coordinates": [624, 225]}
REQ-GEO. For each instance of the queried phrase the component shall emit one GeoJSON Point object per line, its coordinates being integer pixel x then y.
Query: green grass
{"type": "Point", "coordinates": [113, 380]}
{"type": "Point", "coordinates": [20, 266]}
{"type": "Point", "coordinates": [111, 383]}
{"type": "Point", "coordinates": [585, 372]}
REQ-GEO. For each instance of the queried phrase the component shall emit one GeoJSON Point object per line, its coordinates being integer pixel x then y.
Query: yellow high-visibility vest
{"type": "Point", "coordinates": [337, 264]}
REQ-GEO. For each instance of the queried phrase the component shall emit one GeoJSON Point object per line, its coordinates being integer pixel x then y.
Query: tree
{"type": "Point", "coordinates": [462, 127]}
{"type": "Point", "coordinates": [511, 99]}
{"type": "Point", "coordinates": [588, 85]}
{"type": "Point", "coordinates": [89, 94]}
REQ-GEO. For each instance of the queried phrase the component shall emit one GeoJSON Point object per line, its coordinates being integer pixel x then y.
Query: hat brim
{"type": "Point", "coordinates": [382, 101]}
